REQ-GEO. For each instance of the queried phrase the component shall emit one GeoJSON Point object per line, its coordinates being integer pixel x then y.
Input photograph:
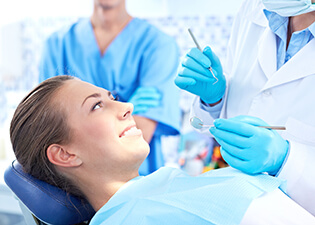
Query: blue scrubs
{"type": "Point", "coordinates": [170, 197]}
{"type": "Point", "coordinates": [141, 55]}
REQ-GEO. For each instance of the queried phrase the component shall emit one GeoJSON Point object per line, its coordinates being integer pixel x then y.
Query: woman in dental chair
{"type": "Point", "coordinates": [75, 136]}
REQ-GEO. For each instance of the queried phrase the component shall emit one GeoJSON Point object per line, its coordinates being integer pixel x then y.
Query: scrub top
{"type": "Point", "coordinates": [170, 197]}
{"type": "Point", "coordinates": [141, 55]}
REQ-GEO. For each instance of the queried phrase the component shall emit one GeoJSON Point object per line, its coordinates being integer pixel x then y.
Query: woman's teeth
{"type": "Point", "coordinates": [131, 132]}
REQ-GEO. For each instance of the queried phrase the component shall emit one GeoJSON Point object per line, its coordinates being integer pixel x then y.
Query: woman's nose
{"type": "Point", "coordinates": [127, 111]}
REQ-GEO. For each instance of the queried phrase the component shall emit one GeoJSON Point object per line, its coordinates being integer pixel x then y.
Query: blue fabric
{"type": "Point", "coordinates": [214, 111]}
{"type": "Point", "coordinates": [170, 197]}
{"type": "Point", "coordinates": [140, 55]}
{"type": "Point", "coordinates": [279, 25]}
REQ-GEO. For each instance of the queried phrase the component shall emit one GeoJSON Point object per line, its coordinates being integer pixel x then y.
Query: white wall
{"type": "Point", "coordinates": [12, 11]}
{"type": "Point", "coordinates": [10, 47]}
{"type": "Point", "coordinates": [153, 8]}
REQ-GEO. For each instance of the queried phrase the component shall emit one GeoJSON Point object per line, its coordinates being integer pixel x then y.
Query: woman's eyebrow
{"type": "Point", "coordinates": [95, 95]}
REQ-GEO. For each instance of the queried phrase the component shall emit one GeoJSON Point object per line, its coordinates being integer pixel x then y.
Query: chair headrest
{"type": "Point", "coordinates": [48, 203]}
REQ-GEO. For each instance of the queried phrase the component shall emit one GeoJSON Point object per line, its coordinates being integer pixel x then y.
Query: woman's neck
{"type": "Point", "coordinates": [99, 196]}
{"type": "Point", "coordinates": [99, 188]}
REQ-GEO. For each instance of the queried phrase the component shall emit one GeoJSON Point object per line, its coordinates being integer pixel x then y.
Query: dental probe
{"type": "Point", "coordinates": [198, 46]}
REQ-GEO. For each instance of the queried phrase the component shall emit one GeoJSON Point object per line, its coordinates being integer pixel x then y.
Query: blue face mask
{"type": "Point", "coordinates": [287, 8]}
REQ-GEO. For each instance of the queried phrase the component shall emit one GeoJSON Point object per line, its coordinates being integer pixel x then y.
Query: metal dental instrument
{"type": "Point", "coordinates": [198, 46]}
{"type": "Point", "coordinates": [198, 124]}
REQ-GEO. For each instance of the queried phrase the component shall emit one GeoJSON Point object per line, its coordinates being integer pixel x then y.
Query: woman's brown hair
{"type": "Point", "coordinates": [38, 122]}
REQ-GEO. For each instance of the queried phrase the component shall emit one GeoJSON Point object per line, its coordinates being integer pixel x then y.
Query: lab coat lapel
{"type": "Point", "coordinates": [267, 53]}
{"type": "Point", "coordinates": [299, 66]}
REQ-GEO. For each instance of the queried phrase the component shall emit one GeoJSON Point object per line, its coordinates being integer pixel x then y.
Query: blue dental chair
{"type": "Point", "coordinates": [45, 204]}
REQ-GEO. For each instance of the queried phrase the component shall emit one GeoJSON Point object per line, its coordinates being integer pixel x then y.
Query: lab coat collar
{"type": "Point", "coordinates": [257, 15]}
{"type": "Point", "coordinates": [299, 66]}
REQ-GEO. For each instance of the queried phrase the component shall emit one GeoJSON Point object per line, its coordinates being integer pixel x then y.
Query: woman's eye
{"type": "Point", "coordinates": [97, 106]}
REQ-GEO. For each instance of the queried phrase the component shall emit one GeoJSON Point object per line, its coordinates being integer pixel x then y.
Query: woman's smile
{"type": "Point", "coordinates": [131, 131]}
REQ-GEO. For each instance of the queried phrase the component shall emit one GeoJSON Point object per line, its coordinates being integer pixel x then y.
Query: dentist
{"type": "Point", "coordinates": [269, 78]}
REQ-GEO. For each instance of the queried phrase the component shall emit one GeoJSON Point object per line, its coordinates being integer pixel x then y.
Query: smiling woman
{"type": "Point", "coordinates": [77, 137]}
{"type": "Point", "coordinates": [100, 134]}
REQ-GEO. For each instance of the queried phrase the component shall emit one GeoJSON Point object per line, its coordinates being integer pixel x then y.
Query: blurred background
{"type": "Point", "coordinates": [25, 24]}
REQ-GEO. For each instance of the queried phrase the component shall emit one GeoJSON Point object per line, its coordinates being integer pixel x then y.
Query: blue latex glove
{"type": "Point", "coordinates": [249, 148]}
{"type": "Point", "coordinates": [195, 77]}
{"type": "Point", "coordinates": [145, 98]}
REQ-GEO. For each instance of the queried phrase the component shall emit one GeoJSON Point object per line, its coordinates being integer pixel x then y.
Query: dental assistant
{"type": "Point", "coordinates": [125, 55]}
{"type": "Point", "coordinates": [269, 78]}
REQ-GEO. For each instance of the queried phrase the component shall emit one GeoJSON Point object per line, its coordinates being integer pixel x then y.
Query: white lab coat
{"type": "Point", "coordinates": [283, 97]}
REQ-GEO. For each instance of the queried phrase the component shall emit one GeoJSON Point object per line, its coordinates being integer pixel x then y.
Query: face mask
{"type": "Point", "coordinates": [287, 8]}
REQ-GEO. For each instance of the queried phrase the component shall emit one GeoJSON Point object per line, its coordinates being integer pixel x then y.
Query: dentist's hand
{"type": "Point", "coordinates": [144, 98]}
{"type": "Point", "coordinates": [249, 148]}
{"type": "Point", "coordinates": [195, 77]}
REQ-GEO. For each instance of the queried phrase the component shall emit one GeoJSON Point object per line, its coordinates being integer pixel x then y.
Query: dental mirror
{"type": "Point", "coordinates": [198, 123]}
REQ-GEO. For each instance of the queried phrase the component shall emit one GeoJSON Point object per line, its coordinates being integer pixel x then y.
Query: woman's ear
{"type": "Point", "coordinates": [58, 155]}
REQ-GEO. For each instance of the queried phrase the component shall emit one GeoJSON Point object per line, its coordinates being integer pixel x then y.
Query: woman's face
{"type": "Point", "coordinates": [103, 132]}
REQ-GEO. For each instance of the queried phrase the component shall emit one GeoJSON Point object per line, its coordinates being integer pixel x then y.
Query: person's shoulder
{"type": "Point", "coordinates": [152, 31]}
